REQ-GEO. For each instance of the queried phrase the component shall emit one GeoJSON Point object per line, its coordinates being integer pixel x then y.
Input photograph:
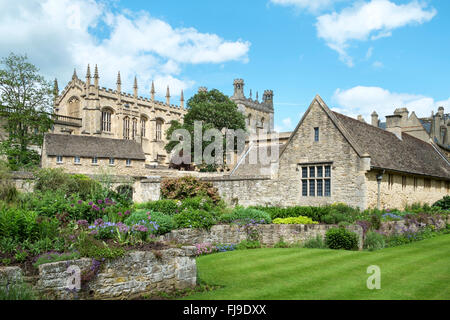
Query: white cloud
{"type": "Point", "coordinates": [368, 20]}
{"type": "Point", "coordinates": [285, 126]}
{"type": "Point", "coordinates": [364, 100]}
{"type": "Point", "coordinates": [309, 5]}
{"type": "Point", "coordinates": [58, 35]}
{"type": "Point", "coordinates": [378, 64]}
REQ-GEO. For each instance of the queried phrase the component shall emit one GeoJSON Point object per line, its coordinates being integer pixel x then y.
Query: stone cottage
{"type": "Point", "coordinates": [92, 155]}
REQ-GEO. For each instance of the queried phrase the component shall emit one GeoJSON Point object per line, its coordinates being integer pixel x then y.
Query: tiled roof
{"type": "Point", "coordinates": [88, 146]}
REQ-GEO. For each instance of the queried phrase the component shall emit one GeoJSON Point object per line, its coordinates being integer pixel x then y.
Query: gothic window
{"type": "Point", "coordinates": [134, 128]}
{"type": "Point", "coordinates": [126, 128]}
{"type": "Point", "coordinates": [143, 126]}
{"type": "Point", "coordinates": [74, 108]}
{"type": "Point", "coordinates": [106, 121]}
{"type": "Point", "coordinates": [314, 182]}
{"type": "Point", "coordinates": [159, 124]}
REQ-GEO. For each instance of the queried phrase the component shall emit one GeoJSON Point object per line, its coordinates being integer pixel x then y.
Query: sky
{"type": "Point", "coordinates": [359, 56]}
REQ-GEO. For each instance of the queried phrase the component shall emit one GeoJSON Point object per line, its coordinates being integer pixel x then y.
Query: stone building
{"type": "Point", "coordinates": [259, 115]}
{"type": "Point", "coordinates": [331, 158]}
{"type": "Point", "coordinates": [93, 155]}
{"type": "Point", "coordinates": [85, 108]}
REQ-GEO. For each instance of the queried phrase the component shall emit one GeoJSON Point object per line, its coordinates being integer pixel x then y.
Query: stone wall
{"type": "Point", "coordinates": [399, 227]}
{"type": "Point", "coordinates": [269, 234]}
{"type": "Point", "coordinates": [134, 274]}
{"type": "Point", "coordinates": [398, 195]}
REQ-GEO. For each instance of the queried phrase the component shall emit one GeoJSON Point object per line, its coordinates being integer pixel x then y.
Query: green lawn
{"type": "Point", "coordinates": [420, 270]}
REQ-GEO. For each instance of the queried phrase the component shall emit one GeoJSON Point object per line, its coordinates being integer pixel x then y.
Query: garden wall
{"type": "Point", "coordinates": [399, 227]}
{"type": "Point", "coordinates": [130, 276]}
{"type": "Point", "coordinates": [268, 234]}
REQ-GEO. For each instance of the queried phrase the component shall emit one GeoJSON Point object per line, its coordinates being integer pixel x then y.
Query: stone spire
{"type": "Point", "coordinates": [55, 92]}
{"type": "Point", "coordinates": [257, 96]}
{"type": "Point", "coordinates": [88, 81]}
{"type": "Point", "coordinates": [251, 94]}
{"type": "Point", "coordinates": [74, 76]}
{"type": "Point", "coordinates": [168, 96]}
{"type": "Point", "coordinates": [182, 99]}
{"type": "Point", "coordinates": [152, 91]}
{"type": "Point", "coordinates": [119, 88]}
{"type": "Point", "coordinates": [96, 77]}
{"type": "Point", "coordinates": [135, 87]}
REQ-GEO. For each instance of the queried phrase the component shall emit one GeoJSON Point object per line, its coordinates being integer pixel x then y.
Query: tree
{"type": "Point", "coordinates": [216, 111]}
{"type": "Point", "coordinates": [25, 100]}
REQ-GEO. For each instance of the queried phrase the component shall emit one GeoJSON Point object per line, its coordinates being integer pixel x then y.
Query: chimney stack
{"type": "Point", "coordinates": [375, 120]}
{"type": "Point", "coordinates": [393, 125]}
{"type": "Point", "coordinates": [360, 118]}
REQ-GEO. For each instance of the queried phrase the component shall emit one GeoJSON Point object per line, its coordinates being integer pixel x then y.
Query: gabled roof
{"type": "Point", "coordinates": [409, 155]}
{"type": "Point", "coordinates": [88, 147]}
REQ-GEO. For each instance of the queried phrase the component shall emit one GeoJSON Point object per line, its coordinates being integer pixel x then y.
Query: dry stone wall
{"type": "Point", "coordinates": [268, 234]}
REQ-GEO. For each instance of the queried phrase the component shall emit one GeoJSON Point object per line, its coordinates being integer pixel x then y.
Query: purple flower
{"type": "Point", "coordinates": [91, 203]}
{"type": "Point", "coordinates": [83, 223]}
{"type": "Point", "coordinates": [100, 201]}
{"type": "Point", "coordinates": [72, 205]}
{"type": "Point", "coordinates": [80, 201]}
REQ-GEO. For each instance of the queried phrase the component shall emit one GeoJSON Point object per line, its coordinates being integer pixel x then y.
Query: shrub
{"type": "Point", "coordinates": [90, 247]}
{"type": "Point", "coordinates": [165, 206]}
{"type": "Point", "coordinates": [248, 244]}
{"type": "Point", "coordinates": [374, 241]}
{"type": "Point", "coordinates": [281, 244]}
{"type": "Point", "coordinates": [443, 204]}
{"type": "Point", "coordinates": [297, 220]}
{"type": "Point", "coordinates": [195, 219]}
{"type": "Point", "coordinates": [246, 215]}
{"type": "Point", "coordinates": [375, 222]}
{"type": "Point", "coordinates": [188, 187]}
{"type": "Point", "coordinates": [315, 243]}
{"type": "Point", "coordinates": [340, 238]}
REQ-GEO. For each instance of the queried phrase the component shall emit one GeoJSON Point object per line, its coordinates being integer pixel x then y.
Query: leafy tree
{"type": "Point", "coordinates": [25, 100]}
{"type": "Point", "coordinates": [216, 111]}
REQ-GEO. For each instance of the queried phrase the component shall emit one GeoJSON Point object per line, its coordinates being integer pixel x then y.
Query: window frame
{"type": "Point", "coordinates": [77, 160]}
{"type": "Point", "coordinates": [94, 160]}
{"type": "Point", "coordinates": [317, 181]}
{"type": "Point", "coordinates": [59, 159]}
{"type": "Point", "coordinates": [128, 162]}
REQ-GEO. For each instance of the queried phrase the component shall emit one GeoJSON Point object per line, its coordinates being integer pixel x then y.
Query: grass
{"type": "Point", "coordinates": [420, 270]}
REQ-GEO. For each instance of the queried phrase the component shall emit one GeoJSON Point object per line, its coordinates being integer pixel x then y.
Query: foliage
{"type": "Point", "coordinates": [205, 248]}
{"type": "Point", "coordinates": [164, 223]}
{"type": "Point", "coordinates": [281, 244]}
{"type": "Point", "coordinates": [188, 187]}
{"type": "Point", "coordinates": [296, 220]}
{"type": "Point", "coordinates": [214, 110]}
{"type": "Point", "coordinates": [165, 206]}
{"type": "Point", "coordinates": [443, 204]}
{"type": "Point", "coordinates": [340, 238]}
{"type": "Point", "coordinates": [315, 243]}
{"type": "Point", "coordinates": [409, 236]}
{"type": "Point", "coordinates": [374, 241]}
{"type": "Point", "coordinates": [8, 191]}
{"type": "Point", "coordinates": [246, 215]}
{"type": "Point", "coordinates": [52, 256]}
{"type": "Point", "coordinates": [18, 291]}
{"type": "Point", "coordinates": [375, 221]}
{"type": "Point", "coordinates": [90, 247]}
{"type": "Point", "coordinates": [198, 219]}
{"type": "Point", "coordinates": [22, 225]}
{"type": "Point", "coordinates": [25, 97]}
{"type": "Point", "coordinates": [248, 244]}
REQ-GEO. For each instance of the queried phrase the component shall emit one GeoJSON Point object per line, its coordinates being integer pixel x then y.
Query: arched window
{"type": "Point", "coordinates": [126, 128]}
{"type": "Point", "coordinates": [74, 107]}
{"type": "Point", "coordinates": [106, 120]}
{"type": "Point", "coordinates": [159, 124]}
{"type": "Point", "coordinates": [143, 126]}
{"type": "Point", "coordinates": [134, 128]}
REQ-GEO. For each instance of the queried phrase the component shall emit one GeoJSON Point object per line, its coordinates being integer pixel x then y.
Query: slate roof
{"type": "Point", "coordinates": [88, 147]}
{"type": "Point", "coordinates": [409, 155]}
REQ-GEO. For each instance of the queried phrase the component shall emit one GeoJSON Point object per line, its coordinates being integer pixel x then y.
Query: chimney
{"type": "Point", "coordinates": [360, 118]}
{"type": "Point", "coordinates": [441, 112]}
{"type": "Point", "coordinates": [375, 121]}
{"type": "Point", "coordinates": [403, 112]}
{"type": "Point", "coordinates": [393, 124]}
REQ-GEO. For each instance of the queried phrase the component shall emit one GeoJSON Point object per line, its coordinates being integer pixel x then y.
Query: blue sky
{"type": "Point", "coordinates": [358, 55]}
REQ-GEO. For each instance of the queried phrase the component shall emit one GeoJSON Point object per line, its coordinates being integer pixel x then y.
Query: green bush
{"type": "Point", "coordinates": [375, 222]}
{"type": "Point", "coordinates": [22, 225]}
{"type": "Point", "coordinates": [296, 220]}
{"type": "Point", "coordinates": [246, 215]}
{"type": "Point", "coordinates": [315, 243]}
{"type": "Point", "coordinates": [8, 191]}
{"type": "Point", "coordinates": [443, 204]}
{"type": "Point", "coordinates": [340, 238]}
{"type": "Point", "coordinates": [248, 244]}
{"type": "Point", "coordinates": [90, 247]}
{"type": "Point", "coordinates": [198, 219]}
{"type": "Point", "coordinates": [165, 206]}
{"type": "Point", "coordinates": [188, 187]}
{"type": "Point", "coordinates": [374, 241]}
